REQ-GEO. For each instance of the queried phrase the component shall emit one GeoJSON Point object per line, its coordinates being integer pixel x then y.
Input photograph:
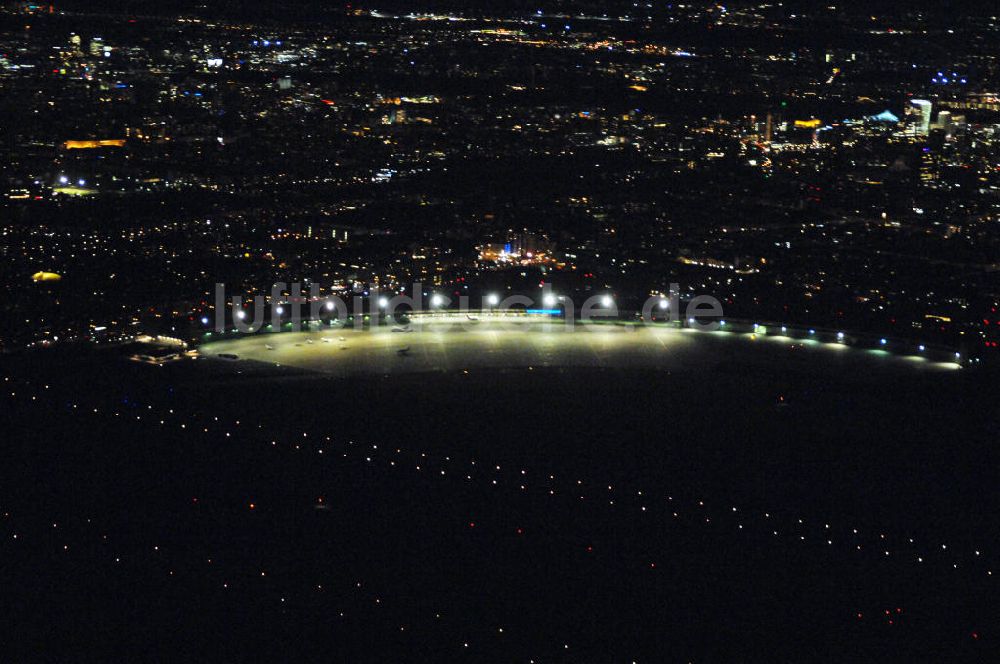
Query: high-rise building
{"type": "Point", "coordinates": [922, 109]}
{"type": "Point", "coordinates": [944, 120]}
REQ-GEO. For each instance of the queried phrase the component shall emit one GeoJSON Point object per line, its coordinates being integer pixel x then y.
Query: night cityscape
{"type": "Point", "coordinates": [564, 331]}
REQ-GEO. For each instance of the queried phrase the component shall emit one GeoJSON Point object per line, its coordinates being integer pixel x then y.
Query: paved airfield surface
{"type": "Point", "coordinates": [456, 343]}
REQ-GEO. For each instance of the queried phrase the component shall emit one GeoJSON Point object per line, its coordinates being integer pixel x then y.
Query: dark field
{"type": "Point", "coordinates": [508, 499]}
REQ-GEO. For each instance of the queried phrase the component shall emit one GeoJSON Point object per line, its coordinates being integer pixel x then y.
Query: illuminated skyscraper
{"type": "Point", "coordinates": [922, 108]}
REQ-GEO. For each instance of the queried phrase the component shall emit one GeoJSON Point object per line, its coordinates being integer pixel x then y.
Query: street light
{"type": "Point", "coordinates": [436, 300]}
{"type": "Point", "coordinates": [549, 300]}
{"type": "Point", "coordinates": [493, 299]}
{"type": "Point", "coordinates": [383, 302]}
{"type": "Point", "coordinates": [607, 301]}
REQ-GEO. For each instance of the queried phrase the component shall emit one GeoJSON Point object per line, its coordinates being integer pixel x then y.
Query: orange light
{"type": "Point", "coordinates": [88, 145]}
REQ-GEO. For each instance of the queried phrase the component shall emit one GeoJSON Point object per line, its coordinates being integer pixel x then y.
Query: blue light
{"type": "Point", "coordinates": [922, 348]}
{"type": "Point", "coordinates": [204, 320]}
{"type": "Point", "coordinates": [544, 312]}
{"type": "Point", "coordinates": [883, 341]}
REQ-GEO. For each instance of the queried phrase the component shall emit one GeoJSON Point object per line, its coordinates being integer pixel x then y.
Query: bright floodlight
{"type": "Point", "coordinates": [607, 301]}
{"type": "Point", "coordinates": [383, 302]}
{"type": "Point", "coordinates": [691, 321]}
{"type": "Point", "coordinates": [493, 299]}
{"type": "Point", "coordinates": [241, 314]}
{"type": "Point", "coordinates": [81, 182]}
{"type": "Point", "coordinates": [280, 310]}
{"type": "Point", "coordinates": [840, 336]}
{"type": "Point", "coordinates": [922, 348]}
{"type": "Point", "coordinates": [549, 300]}
{"type": "Point", "coordinates": [436, 300]}
{"type": "Point", "coordinates": [664, 303]}
{"type": "Point", "coordinates": [883, 341]}
{"type": "Point", "coordinates": [204, 320]}
{"type": "Point", "coordinates": [63, 179]}
{"type": "Point", "coordinates": [330, 305]}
